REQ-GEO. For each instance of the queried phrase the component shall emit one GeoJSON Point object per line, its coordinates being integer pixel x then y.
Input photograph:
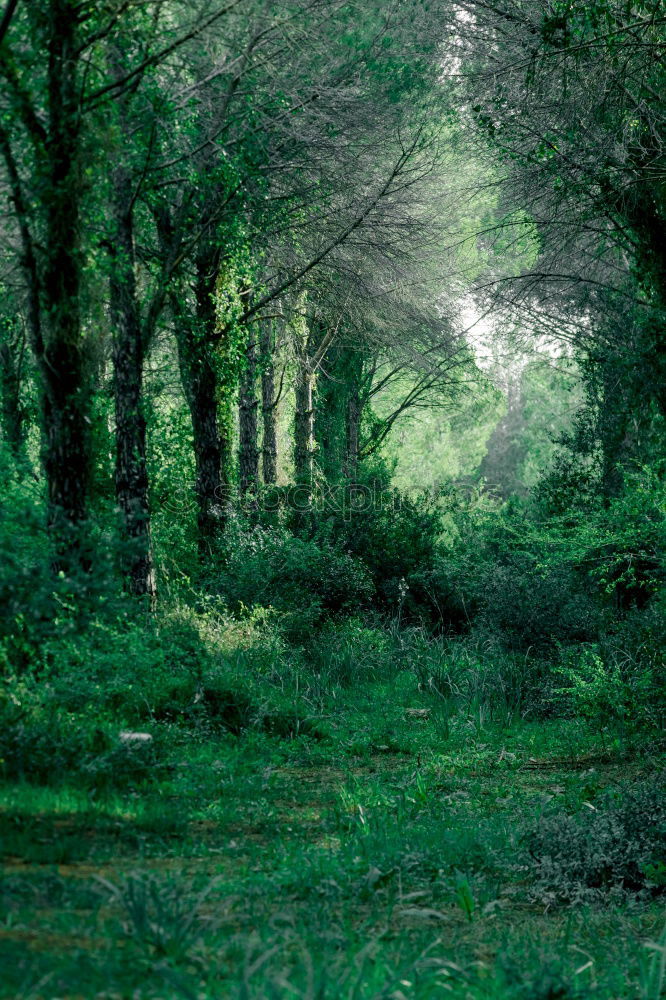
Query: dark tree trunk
{"type": "Point", "coordinates": [650, 227]}
{"type": "Point", "coordinates": [198, 371]}
{"type": "Point", "coordinates": [128, 359]}
{"type": "Point", "coordinates": [248, 451]}
{"type": "Point", "coordinates": [65, 371]}
{"type": "Point", "coordinates": [202, 400]}
{"type": "Point", "coordinates": [269, 451]}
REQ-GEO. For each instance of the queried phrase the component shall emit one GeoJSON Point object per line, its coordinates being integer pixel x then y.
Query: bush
{"type": "Point", "coordinates": [482, 681]}
{"type": "Point", "coordinates": [614, 685]}
{"type": "Point", "coordinates": [616, 848]}
{"type": "Point", "coordinates": [636, 646]}
{"type": "Point", "coordinates": [536, 578]}
{"type": "Point", "coordinates": [303, 581]}
{"type": "Point", "coordinates": [198, 670]}
{"type": "Point", "coordinates": [393, 535]}
{"type": "Point", "coordinates": [42, 744]}
{"type": "Point", "coordinates": [505, 575]}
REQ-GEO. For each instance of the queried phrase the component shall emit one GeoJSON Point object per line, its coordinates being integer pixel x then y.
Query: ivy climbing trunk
{"type": "Point", "coordinates": [198, 364]}
{"type": "Point", "coordinates": [330, 400]}
{"type": "Point", "coordinates": [338, 412]}
{"type": "Point", "coordinates": [353, 432]}
{"type": "Point", "coordinates": [12, 412]}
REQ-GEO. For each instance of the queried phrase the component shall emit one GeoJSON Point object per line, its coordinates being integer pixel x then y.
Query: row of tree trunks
{"type": "Point", "coordinates": [129, 346]}
{"type": "Point", "coordinates": [259, 353]}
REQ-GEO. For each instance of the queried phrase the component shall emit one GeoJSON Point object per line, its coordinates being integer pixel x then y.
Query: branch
{"type": "Point", "coordinates": [157, 57]}
{"type": "Point", "coordinates": [33, 126]}
{"type": "Point", "coordinates": [333, 245]}
{"type": "Point", "coordinates": [6, 18]}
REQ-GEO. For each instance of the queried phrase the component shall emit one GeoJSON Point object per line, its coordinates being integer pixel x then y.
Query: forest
{"type": "Point", "coordinates": [333, 505]}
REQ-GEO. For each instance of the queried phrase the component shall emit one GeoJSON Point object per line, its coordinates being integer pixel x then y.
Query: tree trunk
{"type": "Point", "coordinates": [338, 412]}
{"type": "Point", "coordinates": [269, 451]}
{"type": "Point", "coordinates": [304, 426]}
{"type": "Point", "coordinates": [64, 369]}
{"type": "Point", "coordinates": [248, 451]}
{"type": "Point", "coordinates": [199, 377]}
{"type": "Point", "coordinates": [128, 358]}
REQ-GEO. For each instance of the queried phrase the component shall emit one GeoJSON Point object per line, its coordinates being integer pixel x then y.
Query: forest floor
{"type": "Point", "coordinates": [389, 859]}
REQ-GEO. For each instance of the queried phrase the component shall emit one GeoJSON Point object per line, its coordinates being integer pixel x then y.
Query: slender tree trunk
{"type": "Point", "coordinates": [65, 372]}
{"type": "Point", "coordinates": [338, 412]}
{"type": "Point", "coordinates": [248, 451]}
{"type": "Point", "coordinates": [304, 425]}
{"type": "Point", "coordinates": [269, 450]}
{"type": "Point", "coordinates": [128, 359]}
{"type": "Point", "coordinates": [202, 399]}
{"type": "Point", "coordinates": [650, 227]}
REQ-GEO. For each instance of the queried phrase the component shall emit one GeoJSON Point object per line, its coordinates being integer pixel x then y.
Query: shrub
{"type": "Point", "coordinates": [42, 744]}
{"type": "Point", "coordinates": [612, 688]}
{"type": "Point", "coordinates": [305, 582]}
{"type": "Point", "coordinates": [505, 574]}
{"type": "Point", "coordinates": [482, 681]}
{"type": "Point", "coordinates": [393, 535]}
{"type": "Point", "coordinates": [636, 648]}
{"type": "Point", "coordinates": [538, 578]}
{"type": "Point", "coordinates": [619, 847]}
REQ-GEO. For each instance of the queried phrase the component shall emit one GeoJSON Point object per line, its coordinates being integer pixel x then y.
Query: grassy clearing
{"type": "Point", "coordinates": [387, 858]}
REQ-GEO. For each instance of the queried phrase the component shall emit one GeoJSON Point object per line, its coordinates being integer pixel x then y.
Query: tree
{"type": "Point", "coordinates": [566, 97]}
{"type": "Point", "coordinates": [282, 187]}
{"type": "Point", "coordinates": [47, 144]}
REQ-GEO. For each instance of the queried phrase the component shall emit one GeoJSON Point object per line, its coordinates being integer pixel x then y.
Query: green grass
{"type": "Point", "coordinates": [384, 857]}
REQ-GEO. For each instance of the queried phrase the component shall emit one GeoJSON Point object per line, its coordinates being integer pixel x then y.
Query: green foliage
{"type": "Point", "coordinates": [612, 848]}
{"type": "Point", "coordinates": [350, 653]}
{"type": "Point", "coordinates": [162, 917]}
{"type": "Point", "coordinates": [504, 575]}
{"type": "Point", "coordinates": [537, 578]}
{"type": "Point", "coordinates": [394, 535]}
{"type": "Point", "coordinates": [480, 682]}
{"type": "Point", "coordinates": [303, 581]}
{"type": "Point", "coordinates": [614, 687]}
{"type": "Point", "coordinates": [41, 743]}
